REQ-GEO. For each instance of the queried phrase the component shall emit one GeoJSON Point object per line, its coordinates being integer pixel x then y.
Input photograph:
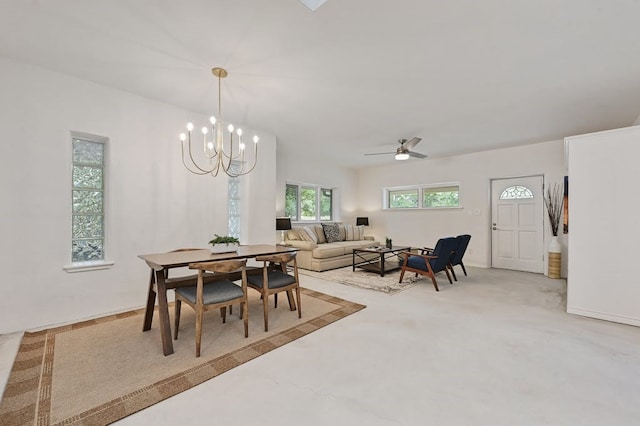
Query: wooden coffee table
{"type": "Point", "coordinates": [362, 258]}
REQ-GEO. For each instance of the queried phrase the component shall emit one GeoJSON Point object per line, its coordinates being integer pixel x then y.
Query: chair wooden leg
{"type": "Point", "coordinates": [198, 330]}
{"type": "Point", "coordinates": [435, 284]}
{"type": "Point", "coordinates": [453, 272]}
{"type": "Point", "coordinates": [463, 269]}
{"type": "Point", "coordinates": [275, 301]}
{"type": "Point", "coordinates": [244, 314]}
{"type": "Point", "coordinates": [292, 304]}
{"type": "Point", "coordinates": [265, 308]}
{"type": "Point", "coordinates": [298, 301]}
{"type": "Point", "coordinates": [446, 271]}
{"type": "Point", "coordinates": [401, 275]}
{"type": "Point", "coordinates": [176, 318]}
{"type": "Point", "coordinates": [223, 313]}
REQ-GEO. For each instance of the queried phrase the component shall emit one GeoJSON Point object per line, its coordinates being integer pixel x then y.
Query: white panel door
{"type": "Point", "coordinates": [517, 224]}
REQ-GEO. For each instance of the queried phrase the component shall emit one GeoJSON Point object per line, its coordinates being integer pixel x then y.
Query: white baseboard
{"type": "Point", "coordinates": [604, 316]}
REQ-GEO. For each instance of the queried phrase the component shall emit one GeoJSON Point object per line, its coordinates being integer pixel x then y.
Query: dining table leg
{"type": "Point", "coordinates": [151, 303]}
{"type": "Point", "coordinates": [163, 313]}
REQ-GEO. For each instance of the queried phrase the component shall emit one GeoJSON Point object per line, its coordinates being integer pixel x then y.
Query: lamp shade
{"type": "Point", "coordinates": [283, 223]}
{"type": "Point", "coordinates": [362, 221]}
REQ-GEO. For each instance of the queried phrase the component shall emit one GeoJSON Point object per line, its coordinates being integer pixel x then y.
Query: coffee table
{"type": "Point", "coordinates": [362, 258]}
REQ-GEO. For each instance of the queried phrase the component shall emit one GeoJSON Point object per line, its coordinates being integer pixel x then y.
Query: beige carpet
{"type": "Point", "coordinates": [367, 279]}
{"type": "Point", "coordinates": [100, 371]}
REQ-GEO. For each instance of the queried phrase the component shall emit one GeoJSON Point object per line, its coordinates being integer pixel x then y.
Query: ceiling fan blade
{"type": "Point", "coordinates": [413, 142]}
{"type": "Point", "coordinates": [416, 154]}
{"type": "Point", "coordinates": [380, 153]}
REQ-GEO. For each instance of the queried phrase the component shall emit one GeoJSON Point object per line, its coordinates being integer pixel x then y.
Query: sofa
{"type": "Point", "coordinates": [327, 245]}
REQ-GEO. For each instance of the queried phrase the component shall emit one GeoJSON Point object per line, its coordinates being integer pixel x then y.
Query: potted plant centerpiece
{"type": "Point", "coordinates": [224, 244]}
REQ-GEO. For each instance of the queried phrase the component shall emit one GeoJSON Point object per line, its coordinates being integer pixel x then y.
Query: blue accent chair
{"type": "Point", "coordinates": [458, 254]}
{"type": "Point", "coordinates": [432, 262]}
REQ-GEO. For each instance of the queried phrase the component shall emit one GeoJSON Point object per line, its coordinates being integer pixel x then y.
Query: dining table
{"type": "Point", "coordinates": [159, 283]}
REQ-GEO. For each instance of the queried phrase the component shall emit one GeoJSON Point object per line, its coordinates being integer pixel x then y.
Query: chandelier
{"type": "Point", "coordinates": [223, 151]}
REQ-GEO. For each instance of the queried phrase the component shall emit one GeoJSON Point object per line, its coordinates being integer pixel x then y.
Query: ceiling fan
{"type": "Point", "coordinates": [404, 150]}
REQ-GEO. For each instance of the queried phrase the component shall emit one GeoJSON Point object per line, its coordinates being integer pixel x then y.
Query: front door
{"type": "Point", "coordinates": [517, 224]}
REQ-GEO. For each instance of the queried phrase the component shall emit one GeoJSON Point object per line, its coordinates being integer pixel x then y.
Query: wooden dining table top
{"type": "Point", "coordinates": [176, 259]}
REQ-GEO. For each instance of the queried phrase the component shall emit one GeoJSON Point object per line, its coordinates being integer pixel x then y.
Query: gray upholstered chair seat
{"type": "Point", "coordinates": [216, 292]}
{"type": "Point", "coordinates": [275, 279]}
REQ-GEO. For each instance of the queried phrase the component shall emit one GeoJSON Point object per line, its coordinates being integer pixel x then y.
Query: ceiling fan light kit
{"type": "Point", "coordinates": [404, 150]}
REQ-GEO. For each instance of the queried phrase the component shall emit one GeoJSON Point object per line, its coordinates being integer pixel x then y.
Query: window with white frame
{"type": "Point", "coordinates": [87, 239]}
{"type": "Point", "coordinates": [435, 196]}
{"type": "Point", "coordinates": [305, 202]}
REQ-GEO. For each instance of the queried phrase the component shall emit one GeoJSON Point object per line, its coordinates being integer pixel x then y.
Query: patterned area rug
{"type": "Point", "coordinates": [366, 279]}
{"type": "Point", "coordinates": [100, 371]}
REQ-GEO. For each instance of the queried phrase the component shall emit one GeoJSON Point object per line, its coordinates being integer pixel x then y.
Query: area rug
{"type": "Point", "coordinates": [100, 371]}
{"type": "Point", "coordinates": [366, 279]}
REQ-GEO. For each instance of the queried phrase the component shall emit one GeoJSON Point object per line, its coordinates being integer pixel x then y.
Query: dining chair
{"type": "Point", "coordinates": [275, 278]}
{"type": "Point", "coordinates": [214, 294]}
{"type": "Point", "coordinates": [431, 262]}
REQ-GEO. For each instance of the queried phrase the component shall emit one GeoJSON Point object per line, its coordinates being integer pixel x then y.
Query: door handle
{"type": "Point", "coordinates": [494, 228]}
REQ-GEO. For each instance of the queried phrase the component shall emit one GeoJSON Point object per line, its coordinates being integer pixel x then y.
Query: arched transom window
{"type": "Point", "coordinates": [516, 192]}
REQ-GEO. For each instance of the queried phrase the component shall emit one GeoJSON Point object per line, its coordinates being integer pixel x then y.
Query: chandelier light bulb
{"type": "Point", "coordinates": [183, 137]}
{"type": "Point", "coordinates": [239, 132]}
{"type": "Point", "coordinates": [189, 126]}
{"type": "Point", "coordinates": [205, 130]}
{"type": "Point", "coordinates": [241, 147]}
{"type": "Point", "coordinates": [210, 145]}
{"type": "Point", "coordinates": [230, 128]}
{"type": "Point", "coordinates": [256, 139]}
{"type": "Point", "coordinates": [212, 120]}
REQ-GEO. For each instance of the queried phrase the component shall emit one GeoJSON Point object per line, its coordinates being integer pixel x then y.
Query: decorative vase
{"type": "Point", "coordinates": [555, 257]}
{"type": "Point", "coordinates": [224, 248]}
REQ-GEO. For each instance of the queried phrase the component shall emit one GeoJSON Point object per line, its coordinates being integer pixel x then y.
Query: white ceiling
{"type": "Point", "coordinates": [354, 76]}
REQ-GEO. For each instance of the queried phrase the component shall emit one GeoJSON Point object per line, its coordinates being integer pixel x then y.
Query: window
{"type": "Point", "coordinates": [424, 196]}
{"type": "Point", "coordinates": [446, 196]}
{"type": "Point", "coordinates": [308, 202]}
{"type": "Point", "coordinates": [403, 198]}
{"type": "Point", "coordinates": [516, 192]}
{"type": "Point", "coordinates": [87, 203]}
{"type": "Point", "coordinates": [87, 239]}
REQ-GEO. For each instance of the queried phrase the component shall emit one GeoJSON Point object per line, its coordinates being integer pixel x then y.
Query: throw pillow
{"type": "Point", "coordinates": [331, 232]}
{"type": "Point", "coordinates": [350, 233]}
{"type": "Point", "coordinates": [354, 233]}
{"type": "Point", "coordinates": [309, 234]}
{"type": "Point", "coordinates": [293, 234]}
{"type": "Point", "coordinates": [319, 234]}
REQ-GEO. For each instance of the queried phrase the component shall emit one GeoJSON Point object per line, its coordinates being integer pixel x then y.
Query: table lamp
{"type": "Point", "coordinates": [283, 224]}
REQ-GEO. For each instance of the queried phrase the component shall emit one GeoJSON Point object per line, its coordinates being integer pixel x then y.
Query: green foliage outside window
{"type": "Point", "coordinates": [401, 199]}
{"type": "Point", "coordinates": [291, 202]}
{"type": "Point", "coordinates": [432, 197]}
{"type": "Point", "coordinates": [326, 204]}
{"type": "Point", "coordinates": [440, 197]}
{"type": "Point", "coordinates": [308, 203]}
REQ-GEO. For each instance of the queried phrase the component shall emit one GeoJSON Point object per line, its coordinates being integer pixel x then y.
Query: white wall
{"type": "Point", "coordinates": [153, 204]}
{"type": "Point", "coordinates": [603, 225]}
{"type": "Point", "coordinates": [474, 173]}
